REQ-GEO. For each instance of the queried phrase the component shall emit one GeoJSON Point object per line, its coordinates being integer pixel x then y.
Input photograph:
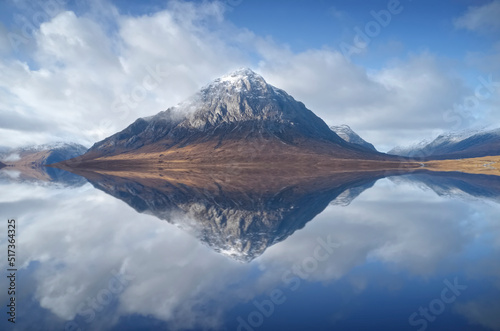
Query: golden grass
{"type": "Point", "coordinates": [488, 165]}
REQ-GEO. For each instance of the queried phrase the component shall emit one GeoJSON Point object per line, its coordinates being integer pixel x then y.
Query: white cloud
{"type": "Point", "coordinates": [481, 18]}
{"type": "Point", "coordinates": [403, 102]}
{"type": "Point", "coordinates": [88, 83]}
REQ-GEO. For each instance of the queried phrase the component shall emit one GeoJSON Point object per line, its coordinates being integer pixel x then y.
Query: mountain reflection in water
{"type": "Point", "coordinates": [241, 216]}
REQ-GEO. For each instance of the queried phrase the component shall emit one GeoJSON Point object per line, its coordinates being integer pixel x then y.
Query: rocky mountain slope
{"type": "Point", "coordinates": [345, 132]}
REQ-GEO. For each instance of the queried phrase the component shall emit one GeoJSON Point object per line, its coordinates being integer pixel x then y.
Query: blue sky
{"type": "Point", "coordinates": [73, 70]}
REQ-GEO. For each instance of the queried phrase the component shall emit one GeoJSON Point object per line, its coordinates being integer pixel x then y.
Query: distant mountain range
{"type": "Point", "coordinates": [28, 163]}
{"type": "Point", "coordinates": [240, 119]}
{"type": "Point", "coordinates": [454, 146]}
{"type": "Point", "coordinates": [40, 155]}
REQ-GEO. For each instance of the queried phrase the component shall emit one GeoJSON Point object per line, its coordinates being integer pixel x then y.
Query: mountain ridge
{"type": "Point", "coordinates": [30, 162]}
{"type": "Point", "coordinates": [468, 144]}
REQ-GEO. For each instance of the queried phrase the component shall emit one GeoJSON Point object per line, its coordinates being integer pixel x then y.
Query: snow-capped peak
{"type": "Point", "coordinates": [218, 101]}
{"type": "Point", "coordinates": [240, 80]}
{"type": "Point", "coordinates": [242, 73]}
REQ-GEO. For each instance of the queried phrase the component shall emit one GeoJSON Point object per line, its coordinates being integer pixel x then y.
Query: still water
{"type": "Point", "coordinates": [411, 252]}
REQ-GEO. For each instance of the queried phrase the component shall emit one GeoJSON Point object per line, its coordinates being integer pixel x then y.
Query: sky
{"type": "Point", "coordinates": [397, 72]}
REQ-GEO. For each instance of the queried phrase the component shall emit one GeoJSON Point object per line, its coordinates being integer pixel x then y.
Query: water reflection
{"type": "Point", "coordinates": [38, 175]}
{"type": "Point", "coordinates": [236, 218]}
{"type": "Point", "coordinates": [394, 246]}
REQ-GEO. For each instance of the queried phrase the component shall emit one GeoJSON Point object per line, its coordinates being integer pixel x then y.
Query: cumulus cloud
{"type": "Point", "coordinates": [89, 82]}
{"type": "Point", "coordinates": [406, 100]}
{"type": "Point", "coordinates": [481, 18]}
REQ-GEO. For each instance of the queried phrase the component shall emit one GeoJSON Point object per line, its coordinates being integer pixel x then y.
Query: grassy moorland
{"type": "Point", "coordinates": [488, 165]}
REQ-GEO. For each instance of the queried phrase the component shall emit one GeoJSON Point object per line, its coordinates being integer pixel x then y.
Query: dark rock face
{"type": "Point", "coordinates": [239, 106]}
{"type": "Point", "coordinates": [346, 133]}
{"type": "Point", "coordinates": [454, 146]}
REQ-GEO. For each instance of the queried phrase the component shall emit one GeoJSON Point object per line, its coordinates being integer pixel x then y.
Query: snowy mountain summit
{"type": "Point", "coordinates": [239, 96]}
{"type": "Point", "coordinates": [242, 79]}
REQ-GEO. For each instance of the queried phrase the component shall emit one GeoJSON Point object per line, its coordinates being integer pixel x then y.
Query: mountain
{"type": "Point", "coordinates": [2, 165]}
{"type": "Point", "coordinates": [455, 146]}
{"type": "Point", "coordinates": [28, 163]}
{"type": "Point", "coordinates": [346, 133]}
{"type": "Point", "coordinates": [239, 119]}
